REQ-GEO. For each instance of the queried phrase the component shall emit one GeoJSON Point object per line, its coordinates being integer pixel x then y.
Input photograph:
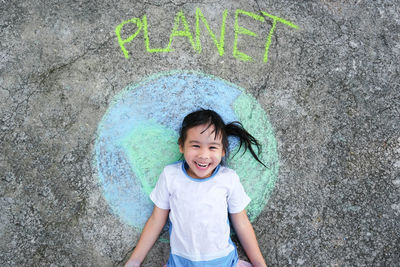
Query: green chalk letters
{"type": "Point", "coordinates": [219, 44]}
{"type": "Point", "coordinates": [240, 30]}
{"type": "Point", "coordinates": [181, 22]}
{"type": "Point", "coordinates": [122, 42]}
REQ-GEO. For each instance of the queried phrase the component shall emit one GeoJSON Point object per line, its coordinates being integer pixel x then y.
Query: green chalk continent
{"type": "Point", "coordinates": [149, 148]}
{"type": "Point", "coordinates": [257, 180]}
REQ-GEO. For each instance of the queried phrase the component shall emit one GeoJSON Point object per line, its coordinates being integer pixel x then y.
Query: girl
{"type": "Point", "coordinates": [197, 194]}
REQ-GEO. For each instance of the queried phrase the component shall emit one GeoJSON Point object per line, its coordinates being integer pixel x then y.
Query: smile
{"type": "Point", "coordinates": [205, 165]}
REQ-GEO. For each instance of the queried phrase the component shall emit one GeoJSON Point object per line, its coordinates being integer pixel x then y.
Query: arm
{"type": "Point", "coordinates": [247, 238]}
{"type": "Point", "coordinates": [149, 235]}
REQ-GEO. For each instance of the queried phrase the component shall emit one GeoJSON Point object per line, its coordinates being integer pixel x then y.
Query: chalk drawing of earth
{"type": "Point", "coordinates": [138, 136]}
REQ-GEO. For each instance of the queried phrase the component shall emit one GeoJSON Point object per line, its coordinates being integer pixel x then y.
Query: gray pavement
{"type": "Point", "coordinates": [330, 88]}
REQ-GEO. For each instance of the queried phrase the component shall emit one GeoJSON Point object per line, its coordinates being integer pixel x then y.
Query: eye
{"type": "Point", "coordinates": [213, 147]}
{"type": "Point", "coordinates": [195, 146]}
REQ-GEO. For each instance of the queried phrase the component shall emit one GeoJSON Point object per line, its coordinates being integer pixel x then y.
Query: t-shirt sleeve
{"type": "Point", "coordinates": [237, 199]}
{"type": "Point", "coordinates": [160, 193]}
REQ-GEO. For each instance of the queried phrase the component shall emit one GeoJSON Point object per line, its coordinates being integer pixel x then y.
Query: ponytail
{"type": "Point", "coordinates": [235, 128]}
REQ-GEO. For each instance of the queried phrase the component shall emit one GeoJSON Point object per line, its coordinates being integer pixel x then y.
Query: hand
{"type": "Point", "coordinates": [132, 263]}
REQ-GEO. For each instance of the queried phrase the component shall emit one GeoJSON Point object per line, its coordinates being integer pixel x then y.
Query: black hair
{"type": "Point", "coordinates": [235, 128]}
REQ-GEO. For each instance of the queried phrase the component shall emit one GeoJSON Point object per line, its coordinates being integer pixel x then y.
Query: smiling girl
{"type": "Point", "coordinates": [198, 195]}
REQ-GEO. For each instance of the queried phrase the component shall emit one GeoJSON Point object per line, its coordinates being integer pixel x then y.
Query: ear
{"type": "Point", "coordinates": [223, 152]}
{"type": "Point", "coordinates": [180, 145]}
{"type": "Point", "coordinates": [181, 148]}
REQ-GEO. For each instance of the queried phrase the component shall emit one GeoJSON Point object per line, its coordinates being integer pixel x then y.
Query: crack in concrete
{"type": "Point", "coordinates": [53, 70]}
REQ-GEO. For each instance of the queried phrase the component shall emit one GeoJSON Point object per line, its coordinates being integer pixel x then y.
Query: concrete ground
{"type": "Point", "coordinates": [325, 72]}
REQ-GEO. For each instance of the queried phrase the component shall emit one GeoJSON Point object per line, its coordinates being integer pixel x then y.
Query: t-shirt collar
{"type": "Point", "coordinates": [185, 166]}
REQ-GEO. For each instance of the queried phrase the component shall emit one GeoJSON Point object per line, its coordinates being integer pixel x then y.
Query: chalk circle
{"type": "Point", "coordinates": [138, 135]}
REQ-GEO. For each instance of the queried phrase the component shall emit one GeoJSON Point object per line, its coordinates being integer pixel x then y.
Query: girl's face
{"type": "Point", "coordinates": [202, 150]}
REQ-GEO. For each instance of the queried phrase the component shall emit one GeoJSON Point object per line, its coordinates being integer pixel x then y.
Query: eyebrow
{"type": "Point", "coordinates": [197, 142]}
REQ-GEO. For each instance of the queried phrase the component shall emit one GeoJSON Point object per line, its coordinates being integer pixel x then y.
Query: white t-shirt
{"type": "Point", "coordinates": [199, 229]}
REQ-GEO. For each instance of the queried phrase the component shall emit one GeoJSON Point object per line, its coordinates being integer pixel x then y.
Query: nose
{"type": "Point", "coordinates": [203, 153]}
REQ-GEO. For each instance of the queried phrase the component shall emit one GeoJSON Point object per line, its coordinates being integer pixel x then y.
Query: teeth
{"type": "Point", "coordinates": [202, 165]}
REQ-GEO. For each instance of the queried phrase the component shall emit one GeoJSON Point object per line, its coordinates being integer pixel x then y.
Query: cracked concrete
{"type": "Point", "coordinates": [331, 90]}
